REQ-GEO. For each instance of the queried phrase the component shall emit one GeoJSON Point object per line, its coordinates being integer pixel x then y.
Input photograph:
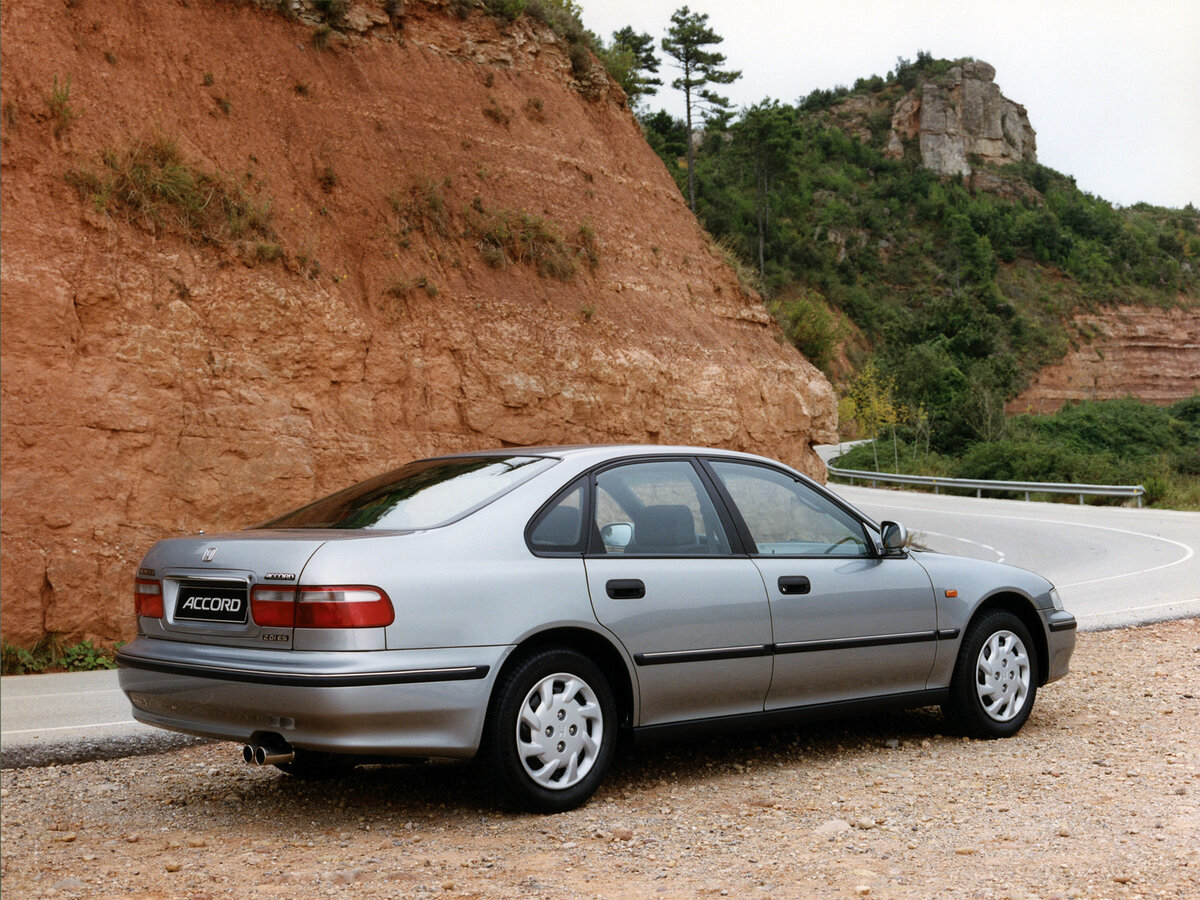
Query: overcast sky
{"type": "Point", "coordinates": [1112, 87]}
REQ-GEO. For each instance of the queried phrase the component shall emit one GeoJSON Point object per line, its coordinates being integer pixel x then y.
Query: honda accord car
{"type": "Point", "coordinates": [529, 607]}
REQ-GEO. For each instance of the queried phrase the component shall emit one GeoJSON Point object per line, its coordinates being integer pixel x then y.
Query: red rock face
{"type": "Point", "coordinates": [155, 386]}
{"type": "Point", "coordinates": [1151, 354]}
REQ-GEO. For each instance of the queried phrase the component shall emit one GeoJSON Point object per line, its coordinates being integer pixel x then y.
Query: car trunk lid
{"type": "Point", "coordinates": [207, 584]}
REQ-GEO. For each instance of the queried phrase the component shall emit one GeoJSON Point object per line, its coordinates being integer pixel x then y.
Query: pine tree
{"type": "Point", "coordinates": [639, 81]}
{"type": "Point", "coordinates": [685, 42]}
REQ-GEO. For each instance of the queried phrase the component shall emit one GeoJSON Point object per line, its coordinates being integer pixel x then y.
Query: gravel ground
{"type": "Point", "coordinates": [1099, 796]}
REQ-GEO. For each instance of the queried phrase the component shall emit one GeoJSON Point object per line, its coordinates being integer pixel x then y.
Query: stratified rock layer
{"type": "Point", "coordinates": [1134, 351]}
{"type": "Point", "coordinates": [153, 386]}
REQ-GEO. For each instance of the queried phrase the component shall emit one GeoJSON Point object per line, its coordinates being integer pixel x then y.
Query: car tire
{"type": "Point", "coordinates": [313, 765]}
{"type": "Point", "coordinates": [551, 731]}
{"type": "Point", "coordinates": [995, 678]}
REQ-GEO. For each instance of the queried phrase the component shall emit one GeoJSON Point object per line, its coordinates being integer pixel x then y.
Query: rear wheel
{"type": "Point", "coordinates": [551, 731]}
{"type": "Point", "coordinates": [995, 678]}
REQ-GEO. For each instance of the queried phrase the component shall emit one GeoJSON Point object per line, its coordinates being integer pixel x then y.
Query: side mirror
{"type": "Point", "coordinates": [617, 535]}
{"type": "Point", "coordinates": [894, 535]}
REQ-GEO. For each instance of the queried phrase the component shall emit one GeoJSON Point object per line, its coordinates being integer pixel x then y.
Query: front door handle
{"type": "Point", "coordinates": [794, 584]}
{"type": "Point", "coordinates": [626, 589]}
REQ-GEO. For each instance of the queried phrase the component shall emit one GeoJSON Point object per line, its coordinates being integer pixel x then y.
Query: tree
{"type": "Point", "coordinates": [875, 407]}
{"type": "Point", "coordinates": [685, 42]}
{"type": "Point", "coordinates": [639, 81]}
{"type": "Point", "coordinates": [765, 137]}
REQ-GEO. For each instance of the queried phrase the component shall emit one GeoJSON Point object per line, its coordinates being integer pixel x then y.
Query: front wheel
{"type": "Point", "coordinates": [551, 731]}
{"type": "Point", "coordinates": [995, 678]}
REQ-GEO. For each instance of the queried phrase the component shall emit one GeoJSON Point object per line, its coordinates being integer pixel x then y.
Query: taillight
{"type": "Point", "coordinates": [343, 606]}
{"type": "Point", "coordinates": [273, 607]}
{"type": "Point", "coordinates": [147, 598]}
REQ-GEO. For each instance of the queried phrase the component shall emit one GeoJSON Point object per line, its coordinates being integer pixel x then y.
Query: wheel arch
{"type": "Point", "coordinates": [592, 645]}
{"type": "Point", "coordinates": [1021, 607]}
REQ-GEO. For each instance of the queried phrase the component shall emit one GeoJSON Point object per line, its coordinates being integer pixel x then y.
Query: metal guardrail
{"type": "Point", "coordinates": [979, 486]}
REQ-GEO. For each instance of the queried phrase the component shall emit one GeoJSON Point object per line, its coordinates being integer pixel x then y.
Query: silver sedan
{"type": "Point", "coordinates": [531, 606]}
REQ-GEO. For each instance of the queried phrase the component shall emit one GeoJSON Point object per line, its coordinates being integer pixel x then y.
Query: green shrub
{"type": "Point", "coordinates": [508, 10]}
{"type": "Point", "coordinates": [59, 101]}
{"type": "Point", "coordinates": [149, 182]}
{"type": "Point", "coordinates": [321, 36]}
{"type": "Point", "coordinates": [50, 654]}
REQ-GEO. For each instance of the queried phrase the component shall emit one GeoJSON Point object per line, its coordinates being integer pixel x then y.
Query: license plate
{"type": "Point", "coordinates": [209, 601]}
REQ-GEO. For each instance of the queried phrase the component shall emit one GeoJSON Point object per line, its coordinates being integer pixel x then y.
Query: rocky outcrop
{"type": "Point", "coordinates": [1133, 351]}
{"type": "Point", "coordinates": [157, 385]}
{"type": "Point", "coordinates": [962, 117]}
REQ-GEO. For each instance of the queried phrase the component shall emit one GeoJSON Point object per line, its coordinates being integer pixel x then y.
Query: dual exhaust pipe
{"type": "Point", "coordinates": [268, 754]}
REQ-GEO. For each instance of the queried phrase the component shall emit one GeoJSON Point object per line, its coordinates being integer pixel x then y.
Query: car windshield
{"type": "Point", "coordinates": [423, 494]}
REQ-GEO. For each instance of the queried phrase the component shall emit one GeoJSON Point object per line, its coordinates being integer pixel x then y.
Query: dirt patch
{"type": "Point", "coordinates": [1099, 796]}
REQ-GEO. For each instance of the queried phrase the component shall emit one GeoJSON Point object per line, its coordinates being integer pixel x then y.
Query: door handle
{"type": "Point", "coordinates": [625, 589]}
{"type": "Point", "coordinates": [794, 584]}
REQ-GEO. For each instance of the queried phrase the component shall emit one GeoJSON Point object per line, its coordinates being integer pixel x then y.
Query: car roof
{"type": "Point", "coordinates": [602, 452]}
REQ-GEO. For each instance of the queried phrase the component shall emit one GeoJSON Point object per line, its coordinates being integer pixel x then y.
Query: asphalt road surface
{"type": "Point", "coordinates": [1113, 567]}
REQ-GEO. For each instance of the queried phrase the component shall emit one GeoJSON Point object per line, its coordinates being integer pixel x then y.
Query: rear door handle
{"type": "Point", "coordinates": [626, 589]}
{"type": "Point", "coordinates": [794, 584]}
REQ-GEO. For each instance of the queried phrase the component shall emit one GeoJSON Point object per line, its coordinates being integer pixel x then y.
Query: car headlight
{"type": "Point", "coordinates": [1055, 599]}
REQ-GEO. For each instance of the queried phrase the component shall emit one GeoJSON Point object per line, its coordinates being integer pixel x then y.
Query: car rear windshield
{"type": "Point", "coordinates": [423, 494]}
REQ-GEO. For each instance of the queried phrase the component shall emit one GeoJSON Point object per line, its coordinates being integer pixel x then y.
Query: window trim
{"type": "Point", "coordinates": [747, 538]}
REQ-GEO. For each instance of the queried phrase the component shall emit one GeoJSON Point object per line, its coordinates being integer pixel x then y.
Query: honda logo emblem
{"type": "Point", "coordinates": [209, 554]}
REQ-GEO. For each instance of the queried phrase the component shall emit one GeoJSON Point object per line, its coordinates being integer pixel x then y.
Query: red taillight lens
{"type": "Point", "coordinates": [147, 598]}
{"type": "Point", "coordinates": [344, 606]}
{"type": "Point", "coordinates": [273, 607]}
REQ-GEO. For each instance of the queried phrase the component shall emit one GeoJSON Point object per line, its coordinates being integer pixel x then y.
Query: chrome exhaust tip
{"type": "Point", "coordinates": [265, 755]}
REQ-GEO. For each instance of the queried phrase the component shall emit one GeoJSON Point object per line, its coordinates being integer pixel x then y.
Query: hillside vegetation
{"type": "Point", "coordinates": [945, 297]}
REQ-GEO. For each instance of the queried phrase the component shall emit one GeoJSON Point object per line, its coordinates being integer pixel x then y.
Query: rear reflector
{"type": "Point", "coordinates": [273, 607]}
{"type": "Point", "coordinates": [343, 606]}
{"type": "Point", "coordinates": [147, 598]}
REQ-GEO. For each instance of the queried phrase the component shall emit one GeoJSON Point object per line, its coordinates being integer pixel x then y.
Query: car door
{"type": "Point", "coordinates": [848, 622]}
{"type": "Point", "coordinates": [666, 580]}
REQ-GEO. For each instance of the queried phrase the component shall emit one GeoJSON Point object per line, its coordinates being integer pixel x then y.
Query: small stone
{"type": "Point", "coordinates": [1122, 879]}
{"type": "Point", "coordinates": [132, 838]}
{"type": "Point", "coordinates": [892, 744]}
{"type": "Point", "coordinates": [197, 842]}
{"type": "Point", "coordinates": [172, 865]}
{"type": "Point", "coordinates": [1064, 832]}
{"type": "Point", "coordinates": [966, 851]}
{"type": "Point", "coordinates": [65, 837]}
{"type": "Point", "coordinates": [622, 834]}
{"type": "Point", "coordinates": [447, 885]}
{"type": "Point", "coordinates": [864, 823]}
{"type": "Point", "coordinates": [862, 890]}
{"type": "Point", "coordinates": [832, 827]}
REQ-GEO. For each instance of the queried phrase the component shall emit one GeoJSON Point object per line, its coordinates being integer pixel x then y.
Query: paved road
{"type": "Point", "coordinates": [70, 717]}
{"type": "Point", "coordinates": [1113, 567]}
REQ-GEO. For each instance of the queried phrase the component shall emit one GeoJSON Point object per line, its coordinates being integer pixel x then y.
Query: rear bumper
{"type": "Point", "coordinates": [401, 702]}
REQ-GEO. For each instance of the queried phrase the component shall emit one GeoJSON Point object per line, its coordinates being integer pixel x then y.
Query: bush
{"type": "Point", "coordinates": [51, 655]}
{"type": "Point", "coordinates": [150, 183]}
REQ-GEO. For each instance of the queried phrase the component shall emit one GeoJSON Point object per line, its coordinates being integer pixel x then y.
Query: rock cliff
{"type": "Point", "coordinates": [1132, 351]}
{"type": "Point", "coordinates": [960, 117]}
{"type": "Point", "coordinates": [159, 380]}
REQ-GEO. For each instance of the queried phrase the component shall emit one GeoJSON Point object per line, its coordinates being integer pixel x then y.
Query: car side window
{"type": "Point", "coordinates": [658, 508]}
{"type": "Point", "coordinates": [787, 517]}
{"type": "Point", "coordinates": [559, 527]}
